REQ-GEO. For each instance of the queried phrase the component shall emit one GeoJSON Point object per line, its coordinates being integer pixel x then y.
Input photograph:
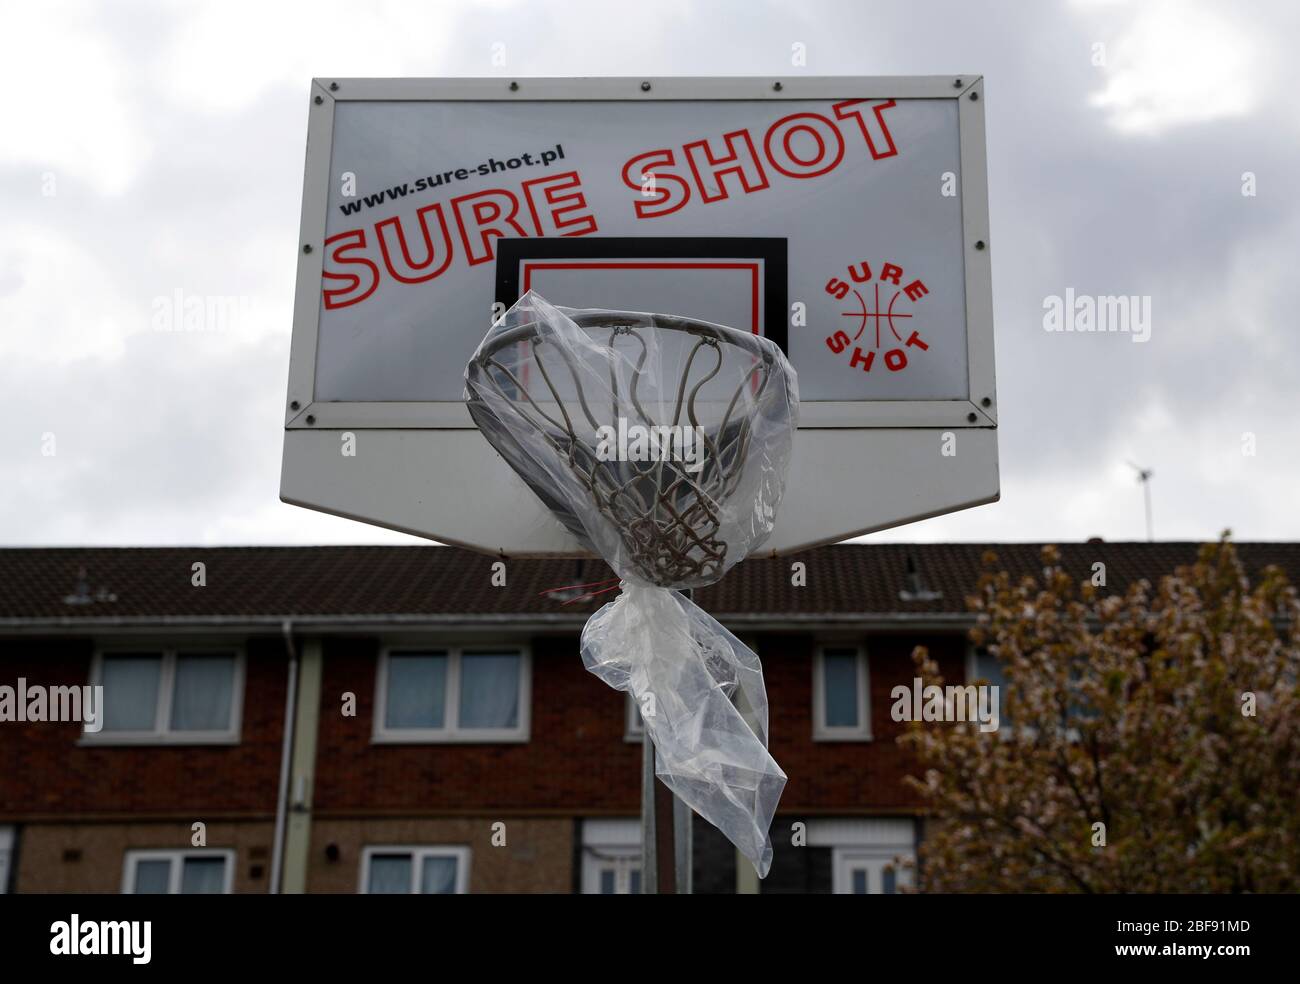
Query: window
{"type": "Point", "coordinates": [198, 872]}
{"type": "Point", "coordinates": [869, 855]}
{"type": "Point", "coordinates": [618, 875]}
{"type": "Point", "coordinates": [449, 694]}
{"type": "Point", "coordinates": [186, 695]}
{"type": "Point", "coordinates": [867, 872]}
{"type": "Point", "coordinates": [415, 871]}
{"type": "Point", "coordinates": [841, 709]}
{"type": "Point", "coordinates": [611, 857]}
{"type": "Point", "coordinates": [983, 665]}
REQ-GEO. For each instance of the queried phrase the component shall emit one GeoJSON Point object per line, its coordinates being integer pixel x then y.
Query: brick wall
{"type": "Point", "coordinates": [46, 773]}
{"type": "Point", "coordinates": [537, 856]}
{"type": "Point", "coordinates": [576, 760]}
{"type": "Point", "coordinates": [843, 776]}
{"type": "Point", "coordinates": [89, 857]}
{"type": "Point", "coordinates": [66, 796]}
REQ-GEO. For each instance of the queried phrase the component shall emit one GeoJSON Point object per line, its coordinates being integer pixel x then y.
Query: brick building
{"type": "Point", "coordinates": [343, 719]}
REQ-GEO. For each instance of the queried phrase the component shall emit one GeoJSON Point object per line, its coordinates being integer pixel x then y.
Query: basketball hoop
{"type": "Point", "coordinates": [662, 444]}
{"type": "Point", "coordinates": [668, 515]}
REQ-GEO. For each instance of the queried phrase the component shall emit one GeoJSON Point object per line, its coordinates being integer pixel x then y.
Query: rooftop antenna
{"type": "Point", "coordinates": [1144, 479]}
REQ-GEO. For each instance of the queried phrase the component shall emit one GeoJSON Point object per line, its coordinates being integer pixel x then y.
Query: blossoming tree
{"type": "Point", "coordinates": [1149, 741]}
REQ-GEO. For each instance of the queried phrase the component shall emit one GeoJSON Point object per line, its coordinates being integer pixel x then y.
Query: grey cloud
{"type": "Point", "coordinates": [175, 438]}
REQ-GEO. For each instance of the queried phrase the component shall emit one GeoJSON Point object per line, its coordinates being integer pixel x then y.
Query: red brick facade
{"type": "Point", "coordinates": [576, 753]}
{"type": "Point", "coordinates": [46, 772]}
{"type": "Point", "coordinates": [79, 806]}
{"type": "Point", "coordinates": [846, 776]}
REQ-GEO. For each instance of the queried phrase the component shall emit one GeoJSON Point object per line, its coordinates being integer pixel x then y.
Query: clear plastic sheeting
{"type": "Point", "coordinates": [701, 694]}
{"type": "Point", "coordinates": [662, 444]}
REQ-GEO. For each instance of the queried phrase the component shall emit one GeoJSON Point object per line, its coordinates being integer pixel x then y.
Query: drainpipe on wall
{"type": "Point", "coordinates": [302, 778]}
{"type": "Point", "coordinates": [286, 753]}
{"type": "Point", "coordinates": [746, 876]}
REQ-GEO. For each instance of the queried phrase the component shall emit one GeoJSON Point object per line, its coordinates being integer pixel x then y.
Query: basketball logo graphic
{"type": "Point", "coordinates": [876, 317]}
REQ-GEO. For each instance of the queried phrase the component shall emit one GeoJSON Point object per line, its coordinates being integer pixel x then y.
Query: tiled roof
{"type": "Point", "coordinates": [367, 582]}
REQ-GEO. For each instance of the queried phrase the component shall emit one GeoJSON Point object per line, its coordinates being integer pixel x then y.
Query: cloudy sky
{"type": "Point", "coordinates": [150, 148]}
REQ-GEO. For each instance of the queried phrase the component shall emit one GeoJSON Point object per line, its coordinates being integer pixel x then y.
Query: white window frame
{"type": "Point", "coordinates": [860, 732]}
{"type": "Point", "coordinates": [846, 860]}
{"type": "Point", "coordinates": [621, 864]}
{"type": "Point", "coordinates": [177, 857]}
{"type": "Point", "coordinates": [451, 732]}
{"type": "Point", "coordinates": [611, 844]}
{"type": "Point", "coordinates": [419, 853]}
{"type": "Point", "coordinates": [162, 732]}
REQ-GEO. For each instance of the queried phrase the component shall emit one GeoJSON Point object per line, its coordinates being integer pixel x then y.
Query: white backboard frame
{"type": "Point", "coordinates": [482, 504]}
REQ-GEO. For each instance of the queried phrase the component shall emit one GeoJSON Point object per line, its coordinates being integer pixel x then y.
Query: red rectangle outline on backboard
{"type": "Point", "coordinates": [527, 267]}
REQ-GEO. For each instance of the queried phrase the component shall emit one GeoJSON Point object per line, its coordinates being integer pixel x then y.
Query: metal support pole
{"type": "Point", "coordinates": [665, 838]}
{"type": "Point", "coordinates": [1146, 489]}
{"type": "Point", "coordinates": [649, 855]}
{"type": "Point", "coordinates": [665, 833]}
{"type": "Point", "coordinates": [666, 842]}
{"type": "Point", "coordinates": [685, 844]}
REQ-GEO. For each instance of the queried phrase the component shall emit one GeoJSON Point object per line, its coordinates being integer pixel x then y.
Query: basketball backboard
{"type": "Point", "coordinates": [844, 218]}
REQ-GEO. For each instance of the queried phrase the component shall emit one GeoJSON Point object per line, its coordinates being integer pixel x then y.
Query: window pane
{"type": "Point", "coordinates": [859, 881]}
{"type": "Point", "coordinates": [151, 877]}
{"type": "Point", "coordinates": [988, 667]}
{"type": "Point", "coordinates": [439, 876]}
{"type": "Point", "coordinates": [417, 690]}
{"type": "Point", "coordinates": [390, 874]}
{"type": "Point", "coordinates": [634, 881]}
{"type": "Point", "coordinates": [607, 882]}
{"type": "Point", "coordinates": [131, 692]}
{"type": "Point", "coordinates": [890, 881]}
{"type": "Point", "coordinates": [203, 876]}
{"type": "Point", "coordinates": [840, 682]}
{"type": "Point", "coordinates": [203, 693]}
{"type": "Point", "coordinates": [489, 690]}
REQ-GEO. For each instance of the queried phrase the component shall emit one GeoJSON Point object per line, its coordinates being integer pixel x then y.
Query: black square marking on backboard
{"type": "Point", "coordinates": [771, 250]}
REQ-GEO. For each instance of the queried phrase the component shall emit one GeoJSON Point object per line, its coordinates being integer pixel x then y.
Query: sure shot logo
{"type": "Point", "coordinates": [656, 442]}
{"type": "Point", "coordinates": [73, 938]}
{"type": "Point", "coordinates": [876, 314]}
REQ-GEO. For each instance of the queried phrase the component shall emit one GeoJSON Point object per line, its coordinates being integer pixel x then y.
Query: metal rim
{"type": "Point", "coordinates": [754, 344]}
